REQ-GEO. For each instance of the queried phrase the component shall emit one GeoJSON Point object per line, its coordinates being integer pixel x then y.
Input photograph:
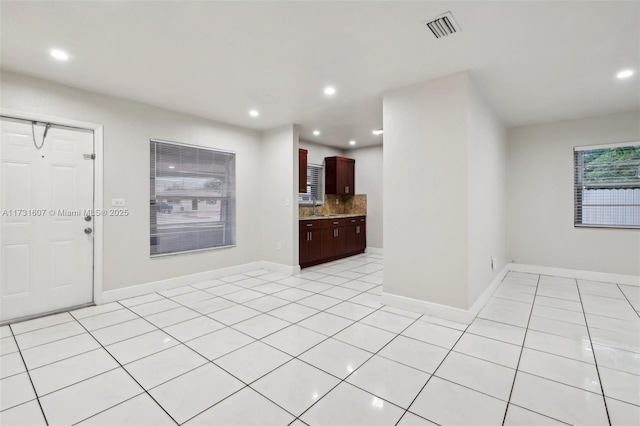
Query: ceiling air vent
{"type": "Point", "coordinates": [443, 26]}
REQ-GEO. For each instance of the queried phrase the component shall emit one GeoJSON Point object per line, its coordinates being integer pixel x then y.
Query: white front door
{"type": "Point", "coordinates": [46, 243]}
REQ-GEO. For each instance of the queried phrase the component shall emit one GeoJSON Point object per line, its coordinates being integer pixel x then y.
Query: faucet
{"type": "Point", "coordinates": [315, 204]}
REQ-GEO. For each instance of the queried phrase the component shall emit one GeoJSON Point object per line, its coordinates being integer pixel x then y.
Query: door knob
{"type": "Point", "coordinates": [88, 231]}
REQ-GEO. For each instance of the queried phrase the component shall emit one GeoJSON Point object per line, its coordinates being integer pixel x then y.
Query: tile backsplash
{"type": "Point", "coordinates": [346, 204]}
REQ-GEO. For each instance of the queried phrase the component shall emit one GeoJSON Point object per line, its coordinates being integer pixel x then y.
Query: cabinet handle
{"type": "Point", "coordinates": [346, 189]}
{"type": "Point", "coordinates": [337, 232]}
{"type": "Point", "coordinates": [357, 229]}
{"type": "Point", "coordinates": [353, 220]}
{"type": "Point", "coordinates": [310, 236]}
{"type": "Point", "coordinates": [336, 223]}
{"type": "Point", "coordinates": [309, 224]}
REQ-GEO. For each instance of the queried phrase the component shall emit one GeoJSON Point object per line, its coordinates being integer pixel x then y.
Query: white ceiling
{"type": "Point", "coordinates": [534, 61]}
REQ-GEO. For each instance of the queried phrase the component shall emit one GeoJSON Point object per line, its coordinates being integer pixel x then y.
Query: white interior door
{"type": "Point", "coordinates": [46, 245]}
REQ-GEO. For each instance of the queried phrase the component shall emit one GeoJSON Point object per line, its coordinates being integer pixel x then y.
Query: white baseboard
{"type": "Point", "coordinates": [155, 286]}
{"type": "Point", "coordinates": [488, 292]}
{"type": "Point", "coordinates": [450, 313]}
{"type": "Point", "coordinates": [575, 273]}
{"type": "Point", "coordinates": [279, 267]}
{"type": "Point", "coordinates": [374, 250]}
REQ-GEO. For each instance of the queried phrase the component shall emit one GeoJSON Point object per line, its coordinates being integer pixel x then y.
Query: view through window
{"type": "Point", "coordinates": [192, 198]}
{"type": "Point", "coordinates": [607, 185]}
{"type": "Point", "coordinates": [315, 186]}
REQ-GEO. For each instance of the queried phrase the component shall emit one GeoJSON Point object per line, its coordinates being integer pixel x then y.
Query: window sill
{"type": "Point", "coordinates": [191, 251]}
{"type": "Point", "coordinates": [577, 225]}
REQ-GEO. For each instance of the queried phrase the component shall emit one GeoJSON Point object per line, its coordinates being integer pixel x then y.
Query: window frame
{"type": "Point", "coordinates": [579, 185]}
{"type": "Point", "coordinates": [230, 213]}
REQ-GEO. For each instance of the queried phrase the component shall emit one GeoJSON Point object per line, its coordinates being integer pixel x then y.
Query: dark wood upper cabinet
{"type": "Point", "coordinates": [340, 176]}
{"type": "Point", "coordinates": [302, 170]}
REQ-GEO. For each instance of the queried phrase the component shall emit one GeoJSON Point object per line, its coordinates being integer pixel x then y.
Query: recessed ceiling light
{"type": "Point", "coordinates": [625, 74]}
{"type": "Point", "coordinates": [172, 167]}
{"type": "Point", "coordinates": [352, 142]}
{"type": "Point", "coordinates": [316, 132]}
{"type": "Point", "coordinates": [377, 132]}
{"type": "Point", "coordinates": [329, 90]}
{"type": "Point", "coordinates": [60, 55]}
{"type": "Point", "coordinates": [254, 113]}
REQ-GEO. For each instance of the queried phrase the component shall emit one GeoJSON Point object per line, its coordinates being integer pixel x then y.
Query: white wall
{"type": "Point", "coordinates": [128, 126]}
{"type": "Point", "coordinates": [425, 191]}
{"type": "Point", "coordinates": [318, 152]}
{"type": "Point", "coordinates": [540, 197]}
{"type": "Point", "coordinates": [279, 195]}
{"type": "Point", "coordinates": [369, 181]}
{"type": "Point", "coordinates": [487, 193]}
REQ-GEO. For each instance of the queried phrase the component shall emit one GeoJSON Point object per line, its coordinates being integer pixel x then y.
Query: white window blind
{"type": "Point", "coordinates": [192, 198]}
{"type": "Point", "coordinates": [315, 186]}
{"type": "Point", "coordinates": [607, 185]}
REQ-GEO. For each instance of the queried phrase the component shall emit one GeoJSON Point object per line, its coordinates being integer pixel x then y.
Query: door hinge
{"type": "Point", "coordinates": [89, 156]}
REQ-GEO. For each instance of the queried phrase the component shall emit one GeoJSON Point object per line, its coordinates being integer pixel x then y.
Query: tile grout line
{"type": "Point", "coordinates": [326, 337]}
{"type": "Point", "coordinates": [540, 414]}
{"type": "Point", "coordinates": [451, 350]}
{"type": "Point", "coordinates": [35, 392]}
{"type": "Point", "coordinates": [294, 357]}
{"type": "Point", "coordinates": [373, 354]}
{"type": "Point", "coordinates": [297, 357]}
{"type": "Point", "coordinates": [627, 299]}
{"type": "Point", "coordinates": [162, 329]}
{"type": "Point", "coordinates": [248, 385]}
{"type": "Point", "coordinates": [212, 361]}
{"type": "Point", "coordinates": [186, 372]}
{"type": "Point", "coordinates": [595, 361]}
{"type": "Point", "coordinates": [74, 319]}
{"type": "Point", "coordinates": [431, 376]}
{"type": "Point", "coordinates": [418, 318]}
{"type": "Point", "coordinates": [524, 339]}
{"type": "Point", "coordinates": [130, 375]}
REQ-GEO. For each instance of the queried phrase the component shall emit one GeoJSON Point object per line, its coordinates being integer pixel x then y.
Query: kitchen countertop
{"type": "Point", "coordinates": [332, 216]}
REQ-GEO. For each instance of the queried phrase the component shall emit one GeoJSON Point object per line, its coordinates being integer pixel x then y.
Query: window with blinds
{"type": "Point", "coordinates": [192, 198]}
{"type": "Point", "coordinates": [315, 186]}
{"type": "Point", "coordinates": [607, 185]}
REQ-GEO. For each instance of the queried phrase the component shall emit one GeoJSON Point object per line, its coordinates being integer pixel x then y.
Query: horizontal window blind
{"type": "Point", "coordinates": [607, 186]}
{"type": "Point", "coordinates": [315, 186]}
{"type": "Point", "coordinates": [192, 198]}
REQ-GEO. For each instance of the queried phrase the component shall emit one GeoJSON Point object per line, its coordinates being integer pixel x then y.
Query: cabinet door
{"type": "Point", "coordinates": [350, 177]}
{"type": "Point", "coordinates": [314, 245]}
{"type": "Point", "coordinates": [328, 246]}
{"type": "Point", "coordinates": [333, 242]}
{"type": "Point", "coordinates": [341, 178]}
{"type": "Point", "coordinates": [310, 246]}
{"type": "Point", "coordinates": [351, 238]}
{"type": "Point", "coordinates": [303, 249]}
{"type": "Point", "coordinates": [302, 170]}
{"type": "Point", "coordinates": [341, 241]}
{"type": "Point", "coordinates": [361, 235]}
{"type": "Point", "coordinates": [339, 175]}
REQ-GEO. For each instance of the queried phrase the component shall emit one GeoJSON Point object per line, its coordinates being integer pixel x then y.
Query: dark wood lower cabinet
{"type": "Point", "coordinates": [310, 245]}
{"type": "Point", "coordinates": [324, 240]}
{"type": "Point", "coordinates": [361, 233]}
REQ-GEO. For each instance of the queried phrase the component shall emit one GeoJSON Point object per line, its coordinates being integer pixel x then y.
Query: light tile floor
{"type": "Point", "coordinates": [263, 348]}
